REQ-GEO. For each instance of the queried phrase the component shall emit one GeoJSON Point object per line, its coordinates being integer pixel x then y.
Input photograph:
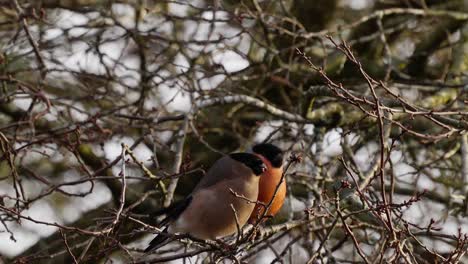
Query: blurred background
{"type": "Point", "coordinates": [111, 110]}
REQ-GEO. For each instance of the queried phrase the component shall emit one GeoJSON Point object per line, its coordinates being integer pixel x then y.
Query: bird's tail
{"type": "Point", "coordinates": [159, 241]}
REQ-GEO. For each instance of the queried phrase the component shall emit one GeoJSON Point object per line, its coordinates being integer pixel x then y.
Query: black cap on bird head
{"type": "Point", "coordinates": [250, 160]}
{"type": "Point", "coordinates": [271, 152]}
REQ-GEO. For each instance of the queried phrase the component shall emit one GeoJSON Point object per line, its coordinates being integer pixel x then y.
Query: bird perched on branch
{"type": "Point", "coordinates": [272, 156]}
{"type": "Point", "coordinates": [223, 200]}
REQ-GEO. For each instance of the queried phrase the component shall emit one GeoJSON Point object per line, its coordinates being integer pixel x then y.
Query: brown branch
{"type": "Point", "coordinates": [66, 245]}
{"type": "Point", "coordinates": [31, 40]}
{"type": "Point", "coordinates": [177, 162]}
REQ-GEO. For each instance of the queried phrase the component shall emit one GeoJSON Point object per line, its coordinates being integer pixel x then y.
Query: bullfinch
{"type": "Point", "coordinates": [224, 198]}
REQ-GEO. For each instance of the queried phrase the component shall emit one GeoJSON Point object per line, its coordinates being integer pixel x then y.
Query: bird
{"type": "Point", "coordinates": [272, 156]}
{"type": "Point", "coordinates": [222, 200]}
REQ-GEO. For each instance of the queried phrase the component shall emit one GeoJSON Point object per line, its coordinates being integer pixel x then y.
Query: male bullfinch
{"type": "Point", "coordinates": [272, 156]}
{"type": "Point", "coordinates": [207, 213]}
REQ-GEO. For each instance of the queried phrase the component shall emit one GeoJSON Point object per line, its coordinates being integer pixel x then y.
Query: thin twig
{"type": "Point", "coordinates": [68, 247]}
{"type": "Point", "coordinates": [124, 187]}
{"type": "Point", "coordinates": [31, 40]}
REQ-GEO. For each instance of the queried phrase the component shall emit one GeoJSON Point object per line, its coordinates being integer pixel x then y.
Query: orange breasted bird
{"type": "Point", "coordinates": [272, 156]}
{"type": "Point", "coordinates": [207, 213]}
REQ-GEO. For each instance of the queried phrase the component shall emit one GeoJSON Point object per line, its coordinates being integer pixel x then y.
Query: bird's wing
{"type": "Point", "coordinates": [172, 213]}
{"type": "Point", "coordinates": [226, 168]}
{"type": "Point", "coordinates": [221, 170]}
{"type": "Point", "coordinates": [174, 210]}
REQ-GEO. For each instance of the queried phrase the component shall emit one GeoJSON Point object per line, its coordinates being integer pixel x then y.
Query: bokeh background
{"type": "Point", "coordinates": [111, 110]}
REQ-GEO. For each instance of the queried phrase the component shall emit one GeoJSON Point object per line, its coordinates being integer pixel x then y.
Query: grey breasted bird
{"type": "Point", "coordinates": [207, 213]}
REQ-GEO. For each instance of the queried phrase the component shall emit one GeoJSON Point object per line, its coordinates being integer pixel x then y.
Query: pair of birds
{"type": "Point", "coordinates": [229, 190]}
